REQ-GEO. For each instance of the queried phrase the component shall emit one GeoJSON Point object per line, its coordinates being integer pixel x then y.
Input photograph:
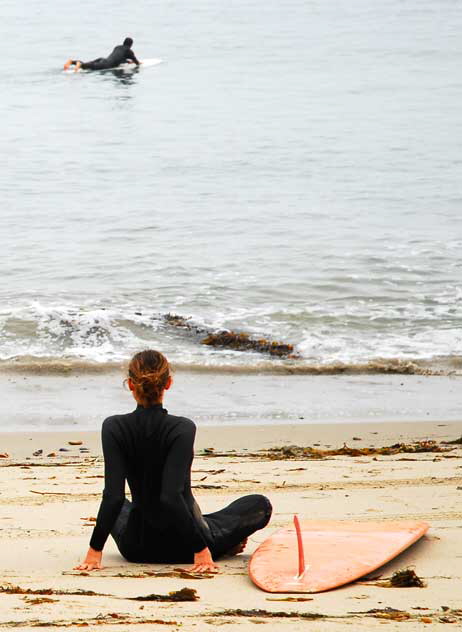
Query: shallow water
{"type": "Point", "coordinates": [291, 170]}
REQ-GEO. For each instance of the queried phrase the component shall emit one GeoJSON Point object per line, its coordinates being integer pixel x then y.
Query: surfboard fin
{"type": "Point", "coordinates": [301, 554]}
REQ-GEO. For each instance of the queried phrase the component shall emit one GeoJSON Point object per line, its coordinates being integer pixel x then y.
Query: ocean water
{"type": "Point", "coordinates": [291, 170]}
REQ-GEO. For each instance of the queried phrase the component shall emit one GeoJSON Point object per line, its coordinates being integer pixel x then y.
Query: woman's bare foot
{"type": "Point", "coordinates": [68, 64]}
{"type": "Point", "coordinates": [237, 549]}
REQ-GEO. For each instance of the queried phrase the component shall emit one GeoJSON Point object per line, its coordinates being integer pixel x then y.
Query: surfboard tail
{"type": "Point", "coordinates": [301, 553]}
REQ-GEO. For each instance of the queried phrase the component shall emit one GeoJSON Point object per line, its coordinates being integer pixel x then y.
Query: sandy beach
{"type": "Point", "coordinates": [48, 503]}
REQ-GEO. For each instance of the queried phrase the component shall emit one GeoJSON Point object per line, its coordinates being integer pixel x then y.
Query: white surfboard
{"type": "Point", "coordinates": [144, 63]}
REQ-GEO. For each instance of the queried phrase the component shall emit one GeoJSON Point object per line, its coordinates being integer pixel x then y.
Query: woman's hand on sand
{"type": "Point", "coordinates": [203, 563]}
{"type": "Point", "coordinates": [92, 561]}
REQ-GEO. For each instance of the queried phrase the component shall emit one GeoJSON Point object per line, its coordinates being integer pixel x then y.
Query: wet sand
{"type": "Point", "coordinates": [47, 506]}
{"type": "Point", "coordinates": [43, 401]}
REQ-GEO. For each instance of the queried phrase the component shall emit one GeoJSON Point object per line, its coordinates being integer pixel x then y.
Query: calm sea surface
{"type": "Point", "coordinates": [292, 170]}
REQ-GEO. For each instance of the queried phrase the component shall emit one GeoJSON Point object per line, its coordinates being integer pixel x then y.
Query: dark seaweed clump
{"type": "Point", "coordinates": [238, 341]}
{"type": "Point", "coordinates": [243, 342]}
{"type": "Point", "coordinates": [406, 579]}
{"type": "Point", "coordinates": [185, 594]}
{"type": "Point", "coordinates": [454, 442]}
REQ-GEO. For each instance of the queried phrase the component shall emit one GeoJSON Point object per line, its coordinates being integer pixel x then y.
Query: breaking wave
{"type": "Point", "coordinates": [98, 338]}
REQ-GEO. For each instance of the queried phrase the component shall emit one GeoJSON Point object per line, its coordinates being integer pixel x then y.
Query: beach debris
{"type": "Point", "coordinates": [296, 452]}
{"type": "Point", "coordinates": [64, 449]}
{"type": "Point", "coordinates": [184, 594]}
{"type": "Point", "coordinates": [289, 599]}
{"type": "Point", "coordinates": [113, 618]}
{"type": "Point", "coordinates": [32, 491]}
{"type": "Point", "coordinates": [258, 612]}
{"type": "Point", "coordinates": [300, 452]}
{"type": "Point", "coordinates": [90, 519]}
{"type": "Point", "coordinates": [178, 573]}
{"type": "Point", "coordinates": [388, 613]}
{"type": "Point", "coordinates": [52, 454]}
{"type": "Point", "coordinates": [226, 339]}
{"type": "Point", "coordinates": [36, 601]}
{"type": "Point", "coordinates": [405, 579]}
{"type": "Point", "coordinates": [182, 573]}
{"type": "Point", "coordinates": [75, 442]}
{"type": "Point", "coordinates": [37, 453]}
{"type": "Point", "coordinates": [205, 486]}
{"type": "Point", "coordinates": [454, 442]}
{"type": "Point", "coordinates": [180, 321]}
{"type": "Point", "coordinates": [4, 455]}
{"type": "Point", "coordinates": [28, 466]}
{"type": "Point", "coordinates": [213, 472]}
{"type": "Point", "coordinates": [11, 589]}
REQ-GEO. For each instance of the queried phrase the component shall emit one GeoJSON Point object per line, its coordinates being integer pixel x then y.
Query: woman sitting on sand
{"type": "Point", "coordinates": [153, 451]}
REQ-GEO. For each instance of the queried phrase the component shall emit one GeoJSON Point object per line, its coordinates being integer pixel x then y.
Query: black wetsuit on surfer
{"type": "Point", "coordinates": [121, 54]}
{"type": "Point", "coordinates": [153, 451]}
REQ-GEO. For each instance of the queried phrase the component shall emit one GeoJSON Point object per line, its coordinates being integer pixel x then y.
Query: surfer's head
{"type": "Point", "coordinates": [128, 42]}
{"type": "Point", "coordinates": [148, 377]}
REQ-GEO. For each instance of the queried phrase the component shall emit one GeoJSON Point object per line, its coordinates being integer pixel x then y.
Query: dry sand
{"type": "Point", "coordinates": [47, 504]}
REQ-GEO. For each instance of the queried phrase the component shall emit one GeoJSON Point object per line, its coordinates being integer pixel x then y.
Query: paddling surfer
{"type": "Point", "coordinates": [121, 54]}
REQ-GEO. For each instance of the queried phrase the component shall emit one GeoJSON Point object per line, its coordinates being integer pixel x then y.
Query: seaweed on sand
{"type": "Point", "coordinates": [37, 601]}
{"type": "Point", "coordinates": [406, 578]}
{"type": "Point", "coordinates": [238, 612]}
{"type": "Point", "coordinates": [10, 589]}
{"type": "Point", "coordinates": [388, 613]}
{"type": "Point", "coordinates": [454, 442]}
{"type": "Point", "coordinates": [300, 452]}
{"type": "Point", "coordinates": [113, 618]}
{"type": "Point", "coordinates": [179, 573]}
{"type": "Point", "coordinates": [185, 594]}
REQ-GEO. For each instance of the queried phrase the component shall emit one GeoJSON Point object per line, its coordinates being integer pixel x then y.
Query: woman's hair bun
{"type": "Point", "coordinates": [149, 372]}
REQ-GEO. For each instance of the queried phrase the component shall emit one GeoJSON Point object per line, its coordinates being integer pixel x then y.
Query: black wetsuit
{"type": "Point", "coordinates": [119, 55]}
{"type": "Point", "coordinates": [153, 451]}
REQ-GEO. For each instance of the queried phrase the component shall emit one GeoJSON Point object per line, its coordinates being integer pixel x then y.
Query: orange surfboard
{"type": "Point", "coordinates": [311, 556]}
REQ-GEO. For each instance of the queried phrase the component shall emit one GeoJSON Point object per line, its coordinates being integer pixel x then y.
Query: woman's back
{"type": "Point", "coordinates": [153, 451]}
{"type": "Point", "coordinates": [147, 439]}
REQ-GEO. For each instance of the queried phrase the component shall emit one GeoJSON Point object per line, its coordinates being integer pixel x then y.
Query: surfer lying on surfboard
{"type": "Point", "coordinates": [121, 54]}
{"type": "Point", "coordinates": [153, 451]}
